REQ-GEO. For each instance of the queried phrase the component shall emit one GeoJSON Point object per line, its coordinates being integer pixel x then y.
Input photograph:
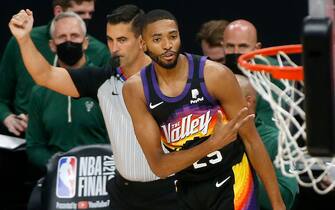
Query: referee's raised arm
{"type": "Point", "coordinates": [44, 74]}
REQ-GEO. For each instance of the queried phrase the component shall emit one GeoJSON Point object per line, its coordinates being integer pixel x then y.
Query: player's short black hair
{"type": "Point", "coordinates": [128, 13]}
{"type": "Point", "coordinates": [156, 15]}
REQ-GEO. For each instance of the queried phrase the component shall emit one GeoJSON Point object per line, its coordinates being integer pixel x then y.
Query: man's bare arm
{"type": "Point", "coordinates": [148, 134]}
{"type": "Point", "coordinates": [223, 85]}
{"type": "Point", "coordinates": [55, 78]}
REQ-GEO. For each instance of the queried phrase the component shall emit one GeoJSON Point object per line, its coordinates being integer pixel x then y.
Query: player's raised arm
{"type": "Point", "coordinates": [42, 72]}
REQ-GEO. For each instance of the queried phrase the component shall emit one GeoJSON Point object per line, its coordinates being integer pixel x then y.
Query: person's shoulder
{"type": "Point", "coordinates": [267, 132]}
{"type": "Point", "coordinates": [95, 43]}
{"type": "Point", "coordinates": [133, 83]}
{"type": "Point", "coordinates": [41, 36]}
{"type": "Point", "coordinates": [133, 87]}
{"type": "Point", "coordinates": [134, 79]}
{"type": "Point", "coordinates": [11, 45]}
{"type": "Point", "coordinates": [215, 66]}
{"type": "Point", "coordinates": [216, 70]}
{"type": "Point", "coordinates": [97, 51]}
{"type": "Point", "coordinates": [39, 31]}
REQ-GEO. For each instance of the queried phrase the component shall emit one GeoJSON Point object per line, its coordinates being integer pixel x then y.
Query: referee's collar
{"type": "Point", "coordinates": [119, 73]}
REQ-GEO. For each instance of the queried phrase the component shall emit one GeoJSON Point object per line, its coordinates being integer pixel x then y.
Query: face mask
{"type": "Point", "coordinates": [231, 63]}
{"type": "Point", "coordinates": [70, 52]}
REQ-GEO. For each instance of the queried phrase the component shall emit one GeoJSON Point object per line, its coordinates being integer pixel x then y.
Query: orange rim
{"type": "Point", "coordinates": [285, 72]}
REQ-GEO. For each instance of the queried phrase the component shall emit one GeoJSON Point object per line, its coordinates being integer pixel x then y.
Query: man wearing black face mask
{"type": "Point", "coordinates": [231, 62]}
{"type": "Point", "coordinates": [14, 96]}
{"type": "Point", "coordinates": [239, 37]}
{"type": "Point", "coordinates": [15, 91]}
{"type": "Point", "coordinates": [57, 123]}
{"type": "Point", "coordinates": [69, 52]}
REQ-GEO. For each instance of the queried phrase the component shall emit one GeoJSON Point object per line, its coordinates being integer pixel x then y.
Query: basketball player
{"type": "Point", "coordinates": [183, 101]}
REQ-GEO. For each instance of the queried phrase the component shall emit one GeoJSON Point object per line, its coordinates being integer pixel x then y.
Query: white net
{"type": "Point", "coordinates": [286, 98]}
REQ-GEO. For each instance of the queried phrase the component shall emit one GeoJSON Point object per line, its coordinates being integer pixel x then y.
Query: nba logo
{"type": "Point", "coordinates": [66, 177]}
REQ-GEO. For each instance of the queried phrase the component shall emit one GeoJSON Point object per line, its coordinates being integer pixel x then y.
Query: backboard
{"type": "Point", "coordinates": [318, 53]}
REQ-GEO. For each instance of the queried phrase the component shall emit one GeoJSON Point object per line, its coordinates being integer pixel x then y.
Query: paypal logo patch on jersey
{"type": "Point", "coordinates": [66, 177]}
{"type": "Point", "coordinates": [195, 94]}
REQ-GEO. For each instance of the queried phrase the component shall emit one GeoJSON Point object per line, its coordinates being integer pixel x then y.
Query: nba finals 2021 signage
{"type": "Point", "coordinates": [81, 182]}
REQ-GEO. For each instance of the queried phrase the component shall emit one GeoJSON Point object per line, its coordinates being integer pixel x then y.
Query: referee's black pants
{"type": "Point", "coordinates": [154, 195]}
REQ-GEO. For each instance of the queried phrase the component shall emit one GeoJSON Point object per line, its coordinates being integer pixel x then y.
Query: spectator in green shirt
{"type": "Point", "coordinates": [16, 83]}
{"type": "Point", "coordinates": [58, 123]}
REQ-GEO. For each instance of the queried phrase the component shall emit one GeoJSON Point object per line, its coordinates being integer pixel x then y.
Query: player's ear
{"type": "Point", "coordinates": [57, 10]}
{"type": "Point", "coordinates": [142, 43]}
{"type": "Point", "coordinates": [144, 47]}
{"type": "Point", "coordinates": [258, 45]}
{"type": "Point", "coordinates": [85, 43]}
{"type": "Point", "coordinates": [251, 103]}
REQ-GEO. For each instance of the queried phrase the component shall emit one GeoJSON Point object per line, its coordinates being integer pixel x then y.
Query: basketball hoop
{"type": "Point", "coordinates": [286, 98]}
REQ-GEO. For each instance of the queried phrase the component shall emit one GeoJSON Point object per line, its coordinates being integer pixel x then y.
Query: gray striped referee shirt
{"type": "Point", "coordinates": [106, 85]}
